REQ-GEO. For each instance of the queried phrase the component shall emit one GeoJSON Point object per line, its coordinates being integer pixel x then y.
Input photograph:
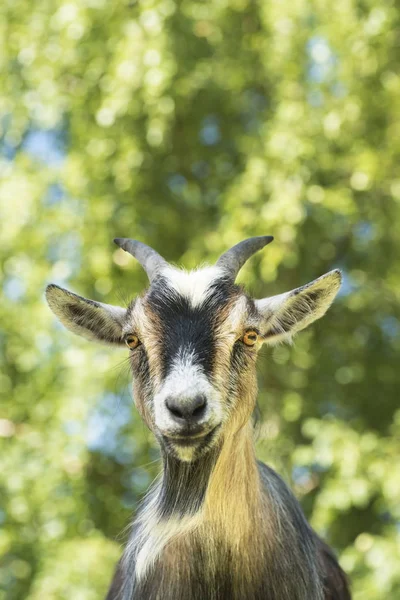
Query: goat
{"type": "Point", "coordinates": [217, 524]}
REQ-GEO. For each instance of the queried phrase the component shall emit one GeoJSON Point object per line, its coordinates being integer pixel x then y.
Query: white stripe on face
{"type": "Point", "coordinates": [192, 285]}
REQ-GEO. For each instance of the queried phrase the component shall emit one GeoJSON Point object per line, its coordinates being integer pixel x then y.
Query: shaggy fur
{"type": "Point", "coordinates": [217, 524]}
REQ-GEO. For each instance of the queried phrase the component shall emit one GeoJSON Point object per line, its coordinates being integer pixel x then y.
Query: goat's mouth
{"type": "Point", "coordinates": [190, 439]}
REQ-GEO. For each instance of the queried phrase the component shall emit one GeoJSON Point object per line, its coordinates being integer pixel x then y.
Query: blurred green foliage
{"type": "Point", "coordinates": [191, 125]}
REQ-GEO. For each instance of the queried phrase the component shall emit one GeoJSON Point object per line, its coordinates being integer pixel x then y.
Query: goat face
{"type": "Point", "coordinates": [193, 339]}
{"type": "Point", "coordinates": [196, 336]}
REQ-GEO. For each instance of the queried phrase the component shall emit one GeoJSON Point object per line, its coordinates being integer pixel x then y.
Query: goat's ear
{"type": "Point", "coordinates": [90, 319]}
{"type": "Point", "coordinates": [286, 314]}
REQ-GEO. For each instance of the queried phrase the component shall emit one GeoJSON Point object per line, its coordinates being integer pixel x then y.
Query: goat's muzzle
{"type": "Point", "coordinates": [189, 426]}
{"type": "Point", "coordinates": [187, 409]}
{"type": "Point", "coordinates": [188, 419]}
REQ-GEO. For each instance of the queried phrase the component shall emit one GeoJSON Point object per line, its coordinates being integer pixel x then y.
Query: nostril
{"type": "Point", "coordinates": [199, 406]}
{"type": "Point", "coordinates": [176, 412]}
{"type": "Point", "coordinates": [198, 411]}
{"type": "Point", "coordinates": [174, 408]}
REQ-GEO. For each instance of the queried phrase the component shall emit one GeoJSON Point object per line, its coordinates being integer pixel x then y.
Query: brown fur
{"type": "Point", "coordinates": [217, 525]}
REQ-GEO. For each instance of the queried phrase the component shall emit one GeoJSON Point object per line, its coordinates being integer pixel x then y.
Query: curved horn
{"type": "Point", "coordinates": [150, 260]}
{"type": "Point", "coordinates": [233, 260]}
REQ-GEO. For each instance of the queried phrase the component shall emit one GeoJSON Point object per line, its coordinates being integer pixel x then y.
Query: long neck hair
{"type": "Point", "coordinates": [216, 529]}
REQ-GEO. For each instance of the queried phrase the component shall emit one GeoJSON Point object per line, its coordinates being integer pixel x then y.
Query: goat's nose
{"type": "Point", "coordinates": [189, 410]}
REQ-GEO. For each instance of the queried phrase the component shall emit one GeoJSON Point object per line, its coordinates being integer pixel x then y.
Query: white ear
{"type": "Point", "coordinates": [286, 314]}
{"type": "Point", "coordinates": [90, 319]}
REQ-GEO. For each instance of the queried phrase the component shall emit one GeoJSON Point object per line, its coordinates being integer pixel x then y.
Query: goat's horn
{"type": "Point", "coordinates": [150, 260]}
{"type": "Point", "coordinates": [233, 260]}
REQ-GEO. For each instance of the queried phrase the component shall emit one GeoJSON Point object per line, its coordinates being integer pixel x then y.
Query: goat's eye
{"type": "Point", "coordinates": [250, 338]}
{"type": "Point", "coordinates": [132, 341]}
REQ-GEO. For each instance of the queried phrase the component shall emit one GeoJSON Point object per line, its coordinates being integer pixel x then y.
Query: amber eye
{"type": "Point", "coordinates": [250, 338]}
{"type": "Point", "coordinates": [132, 341]}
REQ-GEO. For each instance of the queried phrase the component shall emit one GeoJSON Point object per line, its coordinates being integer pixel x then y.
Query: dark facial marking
{"type": "Point", "coordinates": [184, 327]}
{"type": "Point", "coordinates": [140, 367]}
{"type": "Point", "coordinates": [239, 359]}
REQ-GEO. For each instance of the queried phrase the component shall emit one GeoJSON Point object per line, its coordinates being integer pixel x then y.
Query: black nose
{"type": "Point", "coordinates": [187, 410]}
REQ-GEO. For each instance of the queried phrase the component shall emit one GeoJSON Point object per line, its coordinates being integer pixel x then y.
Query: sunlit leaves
{"type": "Point", "coordinates": [190, 126]}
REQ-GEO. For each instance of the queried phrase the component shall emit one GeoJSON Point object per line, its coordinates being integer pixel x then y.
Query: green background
{"type": "Point", "coordinates": [191, 125]}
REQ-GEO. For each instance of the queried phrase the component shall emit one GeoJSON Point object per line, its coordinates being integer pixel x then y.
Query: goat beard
{"type": "Point", "coordinates": [184, 484]}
